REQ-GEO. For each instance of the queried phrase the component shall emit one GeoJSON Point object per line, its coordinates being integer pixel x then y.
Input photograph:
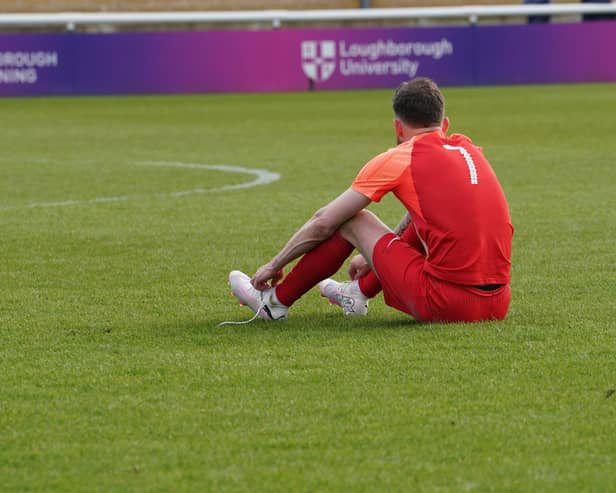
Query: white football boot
{"type": "Point", "coordinates": [346, 295]}
{"type": "Point", "coordinates": [263, 303]}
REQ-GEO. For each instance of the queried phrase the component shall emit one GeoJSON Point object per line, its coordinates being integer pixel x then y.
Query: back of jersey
{"type": "Point", "coordinates": [462, 217]}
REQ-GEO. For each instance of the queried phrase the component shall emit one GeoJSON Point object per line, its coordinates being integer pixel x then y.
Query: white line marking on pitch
{"type": "Point", "coordinates": [262, 177]}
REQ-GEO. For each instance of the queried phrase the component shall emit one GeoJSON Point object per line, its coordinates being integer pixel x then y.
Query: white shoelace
{"type": "Point", "coordinates": [230, 322]}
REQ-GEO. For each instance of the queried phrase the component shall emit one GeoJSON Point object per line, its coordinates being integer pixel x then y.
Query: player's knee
{"type": "Point", "coordinates": [362, 218]}
{"type": "Point", "coordinates": [363, 230]}
{"type": "Point", "coordinates": [349, 228]}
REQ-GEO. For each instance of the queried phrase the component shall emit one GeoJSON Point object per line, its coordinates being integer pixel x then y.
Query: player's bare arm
{"type": "Point", "coordinates": [325, 222]}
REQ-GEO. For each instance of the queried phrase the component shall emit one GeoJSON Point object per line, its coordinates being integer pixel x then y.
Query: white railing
{"type": "Point", "coordinates": [276, 18]}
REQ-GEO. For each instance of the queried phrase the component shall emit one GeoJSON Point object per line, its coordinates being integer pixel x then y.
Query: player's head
{"type": "Point", "coordinates": [418, 104]}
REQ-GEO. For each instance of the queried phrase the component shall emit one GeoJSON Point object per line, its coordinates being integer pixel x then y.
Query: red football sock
{"type": "Point", "coordinates": [369, 285]}
{"type": "Point", "coordinates": [316, 265]}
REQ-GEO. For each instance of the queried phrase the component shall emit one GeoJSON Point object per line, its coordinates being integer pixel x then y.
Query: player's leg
{"type": "Point", "coordinates": [348, 295]}
{"type": "Point", "coordinates": [398, 264]}
{"type": "Point", "coordinates": [316, 265]}
{"type": "Point", "coordinates": [363, 231]}
{"type": "Point", "coordinates": [401, 269]}
{"type": "Point", "coordinates": [327, 258]}
{"type": "Point", "coordinates": [369, 284]}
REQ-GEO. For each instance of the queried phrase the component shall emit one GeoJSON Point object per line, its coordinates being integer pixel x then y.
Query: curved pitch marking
{"type": "Point", "coordinates": [262, 177]}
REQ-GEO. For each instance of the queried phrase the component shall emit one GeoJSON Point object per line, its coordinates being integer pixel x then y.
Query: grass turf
{"type": "Point", "coordinates": [114, 376]}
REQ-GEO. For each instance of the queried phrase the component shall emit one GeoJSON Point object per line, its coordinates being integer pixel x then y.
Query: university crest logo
{"type": "Point", "coordinates": [319, 59]}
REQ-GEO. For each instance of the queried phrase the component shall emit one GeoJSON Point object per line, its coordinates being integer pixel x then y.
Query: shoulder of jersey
{"type": "Point", "coordinates": [459, 138]}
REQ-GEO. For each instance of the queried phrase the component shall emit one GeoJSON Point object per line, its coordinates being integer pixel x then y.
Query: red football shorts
{"type": "Point", "coordinates": [408, 288]}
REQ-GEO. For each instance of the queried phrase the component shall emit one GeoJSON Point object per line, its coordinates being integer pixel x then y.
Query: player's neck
{"type": "Point", "coordinates": [414, 132]}
{"type": "Point", "coordinates": [425, 130]}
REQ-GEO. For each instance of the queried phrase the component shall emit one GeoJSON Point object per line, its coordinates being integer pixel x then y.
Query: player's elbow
{"type": "Point", "coordinates": [323, 226]}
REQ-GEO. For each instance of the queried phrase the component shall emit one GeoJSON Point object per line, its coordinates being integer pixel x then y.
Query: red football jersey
{"type": "Point", "coordinates": [456, 203]}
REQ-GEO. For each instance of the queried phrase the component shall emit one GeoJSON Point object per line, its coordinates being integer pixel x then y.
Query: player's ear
{"type": "Point", "coordinates": [445, 124]}
{"type": "Point", "coordinates": [399, 129]}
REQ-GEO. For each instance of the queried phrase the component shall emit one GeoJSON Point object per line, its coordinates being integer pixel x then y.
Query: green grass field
{"type": "Point", "coordinates": [115, 377]}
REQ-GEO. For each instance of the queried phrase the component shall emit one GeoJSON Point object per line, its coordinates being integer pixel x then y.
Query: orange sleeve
{"type": "Point", "coordinates": [382, 173]}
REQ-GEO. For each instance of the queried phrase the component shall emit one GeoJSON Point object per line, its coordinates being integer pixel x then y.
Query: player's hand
{"type": "Point", "coordinates": [277, 277]}
{"type": "Point", "coordinates": [358, 267]}
{"type": "Point", "coordinates": [266, 277]}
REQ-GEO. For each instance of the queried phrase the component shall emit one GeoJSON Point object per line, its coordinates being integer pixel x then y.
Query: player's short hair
{"type": "Point", "coordinates": [419, 102]}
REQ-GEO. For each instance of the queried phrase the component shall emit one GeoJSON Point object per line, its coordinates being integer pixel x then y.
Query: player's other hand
{"type": "Point", "coordinates": [266, 277]}
{"type": "Point", "coordinates": [358, 267]}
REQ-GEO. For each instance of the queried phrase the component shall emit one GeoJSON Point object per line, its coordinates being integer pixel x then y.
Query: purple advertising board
{"type": "Point", "coordinates": [299, 59]}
